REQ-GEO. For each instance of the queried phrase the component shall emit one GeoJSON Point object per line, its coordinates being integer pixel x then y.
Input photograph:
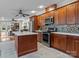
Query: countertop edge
{"type": "Point", "coordinates": [64, 33]}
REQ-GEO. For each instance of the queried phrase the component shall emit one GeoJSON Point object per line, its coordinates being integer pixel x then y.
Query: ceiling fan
{"type": "Point", "coordinates": [20, 13]}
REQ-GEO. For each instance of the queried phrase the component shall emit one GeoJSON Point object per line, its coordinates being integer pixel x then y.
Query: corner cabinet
{"type": "Point", "coordinates": [66, 43]}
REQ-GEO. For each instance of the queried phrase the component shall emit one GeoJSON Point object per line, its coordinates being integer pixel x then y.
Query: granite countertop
{"type": "Point", "coordinates": [24, 33]}
{"type": "Point", "coordinates": [64, 33]}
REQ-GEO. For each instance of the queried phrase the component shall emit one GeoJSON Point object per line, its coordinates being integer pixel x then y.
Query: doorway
{"type": "Point", "coordinates": [4, 29]}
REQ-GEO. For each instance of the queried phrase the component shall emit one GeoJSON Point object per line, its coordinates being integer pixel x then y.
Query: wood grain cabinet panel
{"type": "Point", "coordinates": [40, 36]}
{"type": "Point", "coordinates": [70, 45]}
{"type": "Point", "coordinates": [63, 42]}
{"type": "Point", "coordinates": [62, 15]}
{"type": "Point", "coordinates": [26, 44]}
{"type": "Point", "coordinates": [59, 42]}
{"type": "Point", "coordinates": [77, 13]}
{"type": "Point", "coordinates": [56, 41]}
{"type": "Point", "coordinates": [56, 16]}
{"type": "Point", "coordinates": [66, 43]}
{"type": "Point", "coordinates": [73, 45]}
{"type": "Point", "coordinates": [52, 40]}
{"type": "Point", "coordinates": [71, 14]}
{"type": "Point", "coordinates": [76, 46]}
{"type": "Point", "coordinates": [36, 23]}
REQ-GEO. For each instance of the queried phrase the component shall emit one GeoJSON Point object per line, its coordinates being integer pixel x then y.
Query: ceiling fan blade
{"type": "Point", "coordinates": [23, 15]}
{"type": "Point", "coordinates": [26, 14]}
{"type": "Point", "coordinates": [16, 15]}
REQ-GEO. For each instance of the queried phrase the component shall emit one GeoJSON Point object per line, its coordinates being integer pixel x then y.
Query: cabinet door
{"type": "Point", "coordinates": [62, 15]}
{"type": "Point", "coordinates": [71, 13]}
{"type": "Point", "coordinates": [56, 41]}
{"type": "Point", "coordinates": [35, 23]}
{"type": "Point", "coordinates": [40, 36]}
{"type": "Point", "coordinates": [56, 17]}
{"type": "Point", "coordinates": [60, 42]}
{"type": "Point", "coordinates": [63, 42]}
{"type": "Point", "coordinates": [76, 47]}
{"type": "Point", "coordinates": [77, 13]}
{"type": "Point", "coordinates": [70, 45]}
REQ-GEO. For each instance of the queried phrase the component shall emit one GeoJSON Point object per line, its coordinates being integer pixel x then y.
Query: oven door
{"type": "Point", "coordinates": [46, 37]}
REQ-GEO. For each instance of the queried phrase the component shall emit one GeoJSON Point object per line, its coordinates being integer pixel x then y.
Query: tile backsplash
{"type": "Point", "coordinates": [68, 28]}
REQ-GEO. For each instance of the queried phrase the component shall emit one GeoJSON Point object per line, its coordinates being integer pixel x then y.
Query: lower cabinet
{"type": "Point", "coordinates": [59, 42]}
{"type": "Point", "coordinates": [66, 43]}
{"type": "Point", "coordinates": [40, 36]}
{"type": "Point", "coordinates": [70, 47]}
{"type": "Point", "coordinates": [76, 47]}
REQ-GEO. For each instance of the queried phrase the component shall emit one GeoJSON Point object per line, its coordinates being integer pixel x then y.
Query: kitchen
{"type": "Point", "coordinates": [64, 36]}
{"type": "Point", "coordinates": [57, 27]}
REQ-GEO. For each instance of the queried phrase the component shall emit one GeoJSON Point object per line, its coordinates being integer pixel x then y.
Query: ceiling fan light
{"type": "Point", "coordinates": [33, 11]}
{"type": "Point", "coordinates": [41, 6]}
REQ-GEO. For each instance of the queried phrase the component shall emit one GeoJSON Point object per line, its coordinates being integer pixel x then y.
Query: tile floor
{"type": "Point", "coordinates": [8, 51]}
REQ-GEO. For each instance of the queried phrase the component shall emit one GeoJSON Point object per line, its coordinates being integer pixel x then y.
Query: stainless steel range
{"type": "Point", "coordinates": [47, 35]}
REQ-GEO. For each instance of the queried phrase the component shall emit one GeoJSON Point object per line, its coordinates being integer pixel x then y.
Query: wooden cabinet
{"type": "Point", "coordinates": [40, 36]}
{"type": "Point", "coordinates": [66, 43]}
{"type": "Point", "coordinates": [59, 41]}
{"type": "Point", "coordinates": [62, 42]}
{"type": "Point", "coordinates": [71, 14]}
{"type": "Point", "coordinates": [77, 13]}
{"type": "Point", "coordinates": [70, 45]}
{"type": "Point", "coordinates": [26, 44]}
{"type": "Point", "coordinates": [73, 45]}
{"type": "Point", "coordinates": [56, 41]}
{"type": "Point", "coordinates": [62, 16]}
{"type": "Point", "coordinates": [76, 46]}
{"type": "Point", "coordinates": [35, 23]}
{"type": "Point", "coordinates": [52, 40]}
{"type": "Point", "coordinates": [68, 14]}
{"type": "Point", "coordinates": [56, 16]}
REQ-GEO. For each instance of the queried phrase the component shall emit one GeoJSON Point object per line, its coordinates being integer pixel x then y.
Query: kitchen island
{"type": "Point", "coordinates": [25, 42]}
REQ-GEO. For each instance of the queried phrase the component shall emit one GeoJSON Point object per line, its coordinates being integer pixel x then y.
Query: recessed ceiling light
{"type": "Point", "coordinates": [33, 11]}
{"type": "Point", "coordinates": [41, 6]}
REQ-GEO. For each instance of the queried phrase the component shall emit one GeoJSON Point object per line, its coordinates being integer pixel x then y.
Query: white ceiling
{"type": "Point", "coordinates": [8, 8]}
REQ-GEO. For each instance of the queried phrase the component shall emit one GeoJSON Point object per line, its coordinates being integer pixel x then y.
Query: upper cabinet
{"type": "Point", "coordinates": [56, 17]}
{"type": "Point", "coordinates": [77, 13]}
{"type": "Point", "coordinates": [71, 14]}
{"type": "Point", "coordinates": [62, 15]}
{"type": "Point", "coordinates": [35, 23]}
{"type": "Point", "coordinates": [66, 15]}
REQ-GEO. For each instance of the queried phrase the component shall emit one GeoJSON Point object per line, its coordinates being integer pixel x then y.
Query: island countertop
{"type": "Point", "coordinates": [64, 33]}
{"type": "Point", "coordinates": [24, 33]}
